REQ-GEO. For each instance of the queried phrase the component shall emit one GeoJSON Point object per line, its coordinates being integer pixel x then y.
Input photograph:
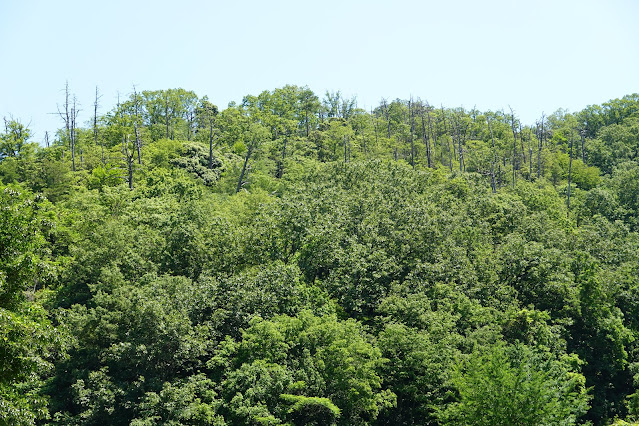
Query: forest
{"type": "Point", "coordinates": [296, 260]}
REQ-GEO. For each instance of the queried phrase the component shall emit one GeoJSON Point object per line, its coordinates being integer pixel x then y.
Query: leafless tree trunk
{"type": "Point", "coordinates": [521, 140]}
{"type": "Point", "coordinates": [241, 182]}
{"type": "Point", "coordinates": [95, 123]}
{"type": "Point", "coordinates": [530, 151]}
{"type": "Point", "coordinates": [69, 116]}
{"type": "Point", "coordinates": [166, 114]}
{"type": "Point", "coordinates": [569, 173]}
{"type": "Point", "coordinates": [432, 137]}
{"type": "Point", "coordinates": [95, 116]}
{"type": "Point", "coordinates": [386, 112]}
{"type": "Point", "coordinates": [412, 131]}
{"type": "Point", "coordinates": [512, 126]}
{"type": "Point", "coordinates": [190, 120]}
{"type": "Point", "coordinates": [138, 139]}
{"type": "Point", "coordinates": [280, 166]}
{"type": "Point", "coordinates": [540, 146]}
{"type": "Point", "coordinates": [492, 159]}
{"type": "Point", "coordinates": [461, 138]}
{"type": "Point", "coordinates": [211, 144]}
{"type": "Point", "coordinates": [73, 117]}
{"type": "Point", "coordinates": [425, 136]}
{"type": "Point", "coordinates": [128, 159]}
{"type": "Point", "coordinates": [374, 118]}
{"type": "Point", "coordinates": [450, 151]}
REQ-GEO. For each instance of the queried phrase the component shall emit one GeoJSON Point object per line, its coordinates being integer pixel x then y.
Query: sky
{"type": "Point", "coordinates": [532, 56]}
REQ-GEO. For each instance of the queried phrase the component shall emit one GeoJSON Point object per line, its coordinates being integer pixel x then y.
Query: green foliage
{"type": "Point", "coordinates": [311, 410]}
{"type": "Point", "coordinates": [508, 385]}
{"type": "Point", "coordinates": [187, 402]}
{"type": "Point", "coordinates": [28, 341]}
{"type": "Point", "coordinates": [102, 176]}
{"type": "Point", "coordinates": [322, 358]}
{"type": "Point", "coordinates": [297, 260]}
{"type": "Point", "coordinates": [132, 343]}
{"type": "Point", "coordinates": [195, 160]}
{"type": "Point", "coordinates": [14, 140]}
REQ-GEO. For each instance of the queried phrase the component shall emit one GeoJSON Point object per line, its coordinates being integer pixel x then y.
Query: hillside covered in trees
{"type": "Point", "coordinates": [296, 260]}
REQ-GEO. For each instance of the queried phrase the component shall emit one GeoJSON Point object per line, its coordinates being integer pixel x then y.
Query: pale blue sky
{"type": "Point", "coordinates": [534, 56]}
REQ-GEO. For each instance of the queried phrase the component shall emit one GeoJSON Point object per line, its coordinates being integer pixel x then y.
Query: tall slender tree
{"type": "Point", "coordinates": [492, 158]}
{"type": "Point", "coordinates": [512, 126]}
{"type": "Point", "coordinates": [569, 171]}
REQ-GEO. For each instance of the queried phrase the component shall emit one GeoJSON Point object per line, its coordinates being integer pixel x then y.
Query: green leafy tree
{"type": "Point", "coordinates": [28, 341]}
{"type": "Point", "coordinates": [288, 364]}
{"type": "Point", "coordinates": [517, 385]}
{"type": "Point", "coordinates": [14, 138]}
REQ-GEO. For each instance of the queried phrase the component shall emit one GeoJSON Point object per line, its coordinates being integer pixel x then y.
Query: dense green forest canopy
{"type": "Point", "coordinates": [297, 260]}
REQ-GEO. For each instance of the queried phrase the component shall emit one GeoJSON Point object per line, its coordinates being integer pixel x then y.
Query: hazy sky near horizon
{"type": "Point", "coordinates": [533, 56]}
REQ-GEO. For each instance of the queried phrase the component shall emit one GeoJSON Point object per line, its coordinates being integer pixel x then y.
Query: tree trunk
{"type": "Point", "coordinates": [74, 115]}
{"type": "Point", "coordinates": [138, 143]}
{"type": "Point", "coordinates": [210, 144]}
{"type": "Point", "coordinates": [450, 154]}
{"type": "Point", "coordinates": [374, 118]}
{"type": "Point", "coordinates": [432, 138]}
{"type": "Point", "coordinates": [492, 159]}
{"type": "Point", "coordinates": [95, 117]}
{"type": "Point", "coordinates": [569, 173]}
{"type": "Point", "coordinates": [240, 182]}
{"type": "Point", "coordinates": [128, 158]}
{"type": "Point", "coordinates": [166, 114]}
{"type": "Point", "coordinates": [412, 131]}
{"type": "Point", "coordinates": [512, 126]}
{"type": "Point", "coordinates": [521, 139]}
{"type": "Point", "coordinates": [530, 152]}
{"type": "Point", "coordinates": [280, 166]}
{"type": "Point", "coordinates": [540, 147]}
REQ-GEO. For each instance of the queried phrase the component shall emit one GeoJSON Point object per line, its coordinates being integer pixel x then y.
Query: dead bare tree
{"type": "Point", "coordinates": [530, 153]}
{"type": "Point", "coordinates": [280, 164]}
{"type": "Point", "coordinates": [569, 172]}
{"type": "Point", "coordinates": [412, 132]}
{"type": "Point", "coordinates": [540, 144]}
{"type": "Point", "coordinates": [95, 123]}
{"type": "Point", "coordinates": [461, 132]}
{"type": "Point", "coordinates": [512, 126]}
{"type": "Point", "coordinates": [582, 132]}
{"type": "Point", "coordinates": [450, 151]}
{"type": "Point", "coordinates": [432, 137]}
{"type": "Point", "coordinates": [69, 116]}
{"type": "Point", "coordinates": [521, 139]}
{"type": "Point", "coordinates": [128, 157]}
{"type": "Point", "coordinates": [245, 167]}
{"type": "Point", "coordinates": [386, 112]}
{"type": "Point", "coordinates": [74, 116]}
{"type": "Point", "coordinates": [136, 123]}
{"type": "Point", "coordinates": [492, 159]}
{"type": "Point", "coordinates": [374, 118]}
